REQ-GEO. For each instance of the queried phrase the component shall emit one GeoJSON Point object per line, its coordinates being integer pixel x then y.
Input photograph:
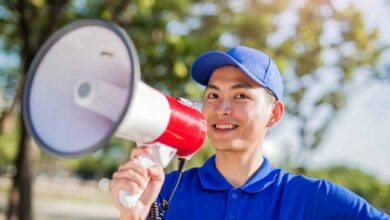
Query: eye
{"type": "Point", "coordinates": [241, 96]}
{"type": "Point", "coordinates": [212, 96]}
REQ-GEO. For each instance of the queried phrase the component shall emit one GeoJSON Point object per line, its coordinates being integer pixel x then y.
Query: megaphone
{"type": "Point", "coordinates": [84, 86]}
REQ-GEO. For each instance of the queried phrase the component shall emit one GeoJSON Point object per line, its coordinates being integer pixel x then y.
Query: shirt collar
{"type": "Point", "coordinates": [211, 179]}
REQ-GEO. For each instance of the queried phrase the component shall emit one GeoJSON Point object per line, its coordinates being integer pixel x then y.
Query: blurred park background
{"type": "Point", "coordinates": [334, 56]}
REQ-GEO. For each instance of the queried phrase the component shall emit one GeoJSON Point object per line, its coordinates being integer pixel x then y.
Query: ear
{"type": "Point", "coordinates": [276, 114]}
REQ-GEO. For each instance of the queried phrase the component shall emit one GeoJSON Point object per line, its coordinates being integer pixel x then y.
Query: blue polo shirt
{"type": "Point", "coordinates": [203, 193]}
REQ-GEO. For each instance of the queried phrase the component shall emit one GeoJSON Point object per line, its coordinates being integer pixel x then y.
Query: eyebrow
{"type": "Point", "coordinates": [236, 86]}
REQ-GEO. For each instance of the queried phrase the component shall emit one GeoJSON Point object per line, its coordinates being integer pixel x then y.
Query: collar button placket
{"type": "Point", "coordinates": [232, 204]}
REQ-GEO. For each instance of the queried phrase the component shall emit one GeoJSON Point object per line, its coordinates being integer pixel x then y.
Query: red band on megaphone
{"type": "Point", "coordinates": [186, 129]}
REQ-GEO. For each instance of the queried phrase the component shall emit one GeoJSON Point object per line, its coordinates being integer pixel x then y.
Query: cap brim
{"type": "Point", "coordinates": [204, 66]}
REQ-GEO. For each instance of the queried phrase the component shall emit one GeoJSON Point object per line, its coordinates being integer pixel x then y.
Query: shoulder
{"type": "Point", "coordinates": [303, 182]}
{"type": "Point", "coordinates": [300, 181]}
{"type": "Point", "coordinates": [301, 187]}
{"type": "Point", "coordinates": [319, 189]}
{"type": "Point", "coordinates": [327, 198]}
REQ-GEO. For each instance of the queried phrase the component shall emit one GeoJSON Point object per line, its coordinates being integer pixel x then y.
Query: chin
{"type": "Point", "coordinates": [226, 146]}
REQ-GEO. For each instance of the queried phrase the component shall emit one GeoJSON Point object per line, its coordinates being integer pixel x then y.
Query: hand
{"type": "Point", "coordinates": [132, 176]}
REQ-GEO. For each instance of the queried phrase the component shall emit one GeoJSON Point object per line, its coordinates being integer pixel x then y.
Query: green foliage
{"type": "Point", "coordinates": [196, 160]}
{"type": "Point", "coordinates": [102, 163]}
{"type": "Point", "coordinates": [8, 143]}
{"type": "Point", "coordinates": [202, 155]}
{"type": "Point", "coordinates": [87, 167]}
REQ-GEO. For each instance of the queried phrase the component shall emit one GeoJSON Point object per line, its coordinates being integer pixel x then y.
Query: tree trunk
{"type": "Point", "coordinates": [20, 200]}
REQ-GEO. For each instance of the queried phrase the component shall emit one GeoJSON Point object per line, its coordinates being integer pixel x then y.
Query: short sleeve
{"type": "Point", "coordinates": [340, 203]}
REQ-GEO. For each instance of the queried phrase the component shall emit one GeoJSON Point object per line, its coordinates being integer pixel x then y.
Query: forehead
{"type": "Point", "coordinates": [228, 75]}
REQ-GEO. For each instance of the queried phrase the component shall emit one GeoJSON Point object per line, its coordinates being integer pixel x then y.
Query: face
{"type": "Point", "coordinates": [237, 110]}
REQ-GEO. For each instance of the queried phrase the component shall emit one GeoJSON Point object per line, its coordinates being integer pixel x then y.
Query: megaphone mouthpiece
{"type": "Point", "coordinates": [100, 97]}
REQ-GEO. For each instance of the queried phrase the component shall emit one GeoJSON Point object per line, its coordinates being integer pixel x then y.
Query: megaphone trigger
{"type": "Point", "coordinates": [160, 153]}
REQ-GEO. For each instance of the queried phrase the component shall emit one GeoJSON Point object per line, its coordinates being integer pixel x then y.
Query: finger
{"type": "Point", "coordinates": [132, 175]}
{"type": "Point", "coordinates": [135, 165]}
{"type": "Point", "coordinates": [143, 150]}
{"type": "Point", "coordinates": [156, 173]}
{"type": "Point", "coordinates": [130, 186]}
{"type": "Point", "coordinates": [122, 184]}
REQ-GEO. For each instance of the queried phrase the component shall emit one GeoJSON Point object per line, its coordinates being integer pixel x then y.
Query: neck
{"type": "Point", "coordinates": [236, 167]}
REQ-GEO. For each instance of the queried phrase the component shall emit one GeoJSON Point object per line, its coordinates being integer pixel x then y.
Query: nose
{"type": "Point", "coordinates": [223, 107]}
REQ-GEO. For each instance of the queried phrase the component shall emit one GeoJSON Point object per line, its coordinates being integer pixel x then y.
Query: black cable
{"type": "Point", "coordinates": [182, 162]}
{"type": "Point", "coordinates": [157, 211]}
{"type": "Point", "coordinates": [154, 212]}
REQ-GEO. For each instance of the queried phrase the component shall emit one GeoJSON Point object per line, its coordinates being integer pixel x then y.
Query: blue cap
{"type": "Point", "coordinates": [256, 64]}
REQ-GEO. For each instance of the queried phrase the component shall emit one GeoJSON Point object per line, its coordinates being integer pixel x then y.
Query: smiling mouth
{"type": "Point", "coordinates": [224, 126]}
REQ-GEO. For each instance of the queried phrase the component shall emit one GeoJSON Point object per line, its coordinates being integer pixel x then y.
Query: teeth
{"type": "Point", "coordinates": [225, 126]}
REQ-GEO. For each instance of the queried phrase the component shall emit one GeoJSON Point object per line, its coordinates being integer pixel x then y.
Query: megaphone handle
{"type": "Point", "coordinates": [127, 199]}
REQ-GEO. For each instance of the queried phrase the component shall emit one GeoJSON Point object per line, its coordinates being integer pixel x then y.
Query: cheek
{"type": "Point", "coordinates": [254, 119]}
{"type": "Point", "coordinates": [247, 112]}
{"type": "Point", "coordinates": [205, 110]}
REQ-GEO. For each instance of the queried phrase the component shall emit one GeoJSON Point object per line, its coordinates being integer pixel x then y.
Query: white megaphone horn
{"type": "Point", "coordinates": [84, 86]}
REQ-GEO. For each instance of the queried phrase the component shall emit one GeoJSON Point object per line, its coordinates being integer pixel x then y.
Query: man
{"type": "Point", "coordinates": [242, 100]}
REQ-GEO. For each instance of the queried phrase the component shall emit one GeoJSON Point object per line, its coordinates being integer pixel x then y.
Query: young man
{"type": "Point", "coordinates": [242, 100]}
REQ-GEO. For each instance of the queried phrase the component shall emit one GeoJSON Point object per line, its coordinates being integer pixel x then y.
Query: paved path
{"type": "Point", "coordinates": [51, 210]}
{"type": "Point", "coordinates": [59, 201]}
